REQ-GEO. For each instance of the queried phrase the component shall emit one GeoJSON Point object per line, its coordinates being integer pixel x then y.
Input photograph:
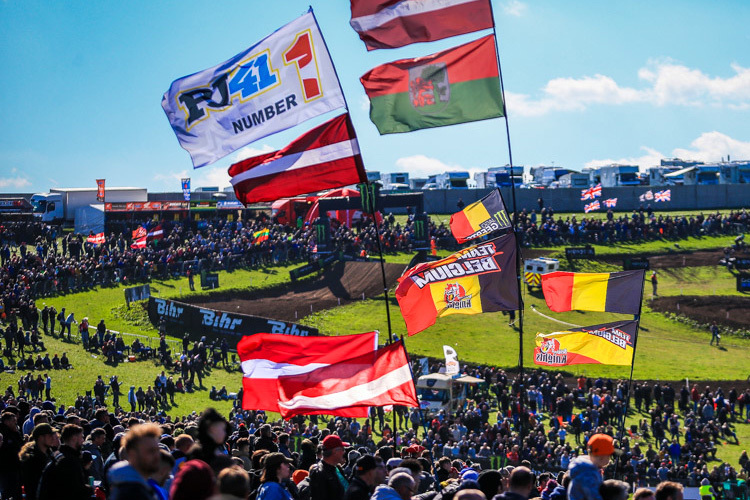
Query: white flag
{"type": "Point", "coordinates": [451, 361]}
{"type": "Point", "coordinates": [281, 81]}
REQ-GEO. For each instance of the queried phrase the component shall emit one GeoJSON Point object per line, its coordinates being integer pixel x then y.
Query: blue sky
{"type": "Point", "coordinates": [587, 82]}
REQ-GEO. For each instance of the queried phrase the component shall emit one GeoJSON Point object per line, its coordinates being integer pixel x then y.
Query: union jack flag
{"type": "Point", "coordinates": [590, 207]}
{"type": "Point", "coordinates": [665, 195]}
{"type": "Point", "coordinates": [591, 193]}
{"type": "Point", "coordinates": [610, 203]}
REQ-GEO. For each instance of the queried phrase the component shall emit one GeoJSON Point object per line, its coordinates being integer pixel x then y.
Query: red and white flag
{"type": "Point", "coordinates": [96, 239]}
{"type": "Point", "coordinates": [265, 357]}
{"type": "Point", "coordinates": [373, 379]}
{"type": "Point", "coordinates": [156, 233]}
{"type": "Point", "coordinates": [386, 24]}
{"type": "Point", "coordinates": [139, 243]}
{"type": "Point", "coordinates": [326, 157]}
{"type": "Point", "coordinates": [596, 191]}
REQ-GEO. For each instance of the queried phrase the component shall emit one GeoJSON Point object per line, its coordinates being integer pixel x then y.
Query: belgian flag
{"type": "Point", "coordinates": [618, 292]}
{"type": "Point", "coordinates": [480, 218]}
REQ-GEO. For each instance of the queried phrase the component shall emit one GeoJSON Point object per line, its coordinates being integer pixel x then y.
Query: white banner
{"type": "Point", "coordinates": [451, 361]}
{"type": "Point", "coordinates": [280, 82]}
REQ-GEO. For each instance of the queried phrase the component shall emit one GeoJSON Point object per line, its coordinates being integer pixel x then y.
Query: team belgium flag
{"type": "Point", "coordinates": [478, 279]}
{"type": "Point", "coordinates": [480, 218]}
{"type": "Point", "coordinates": [608, 344]}
{"type": "Point", "coordinates": [607, 292]}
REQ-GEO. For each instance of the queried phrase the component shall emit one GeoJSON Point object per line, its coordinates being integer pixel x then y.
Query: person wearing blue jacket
{"type": "Point", "coordinates": [585, 471]}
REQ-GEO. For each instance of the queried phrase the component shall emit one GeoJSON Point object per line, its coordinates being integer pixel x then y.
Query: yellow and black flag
{"type": "Point", "coordinates": [607, 344]}
{"type": "Point", "coordinates": [480, 218]}
{"type": "Point", "coordinates": [478, 279]}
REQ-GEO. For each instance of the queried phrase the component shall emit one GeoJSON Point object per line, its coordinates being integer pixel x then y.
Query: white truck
{"type": "Point", "coordinates": [438, 391]}
{"type": "Point", "coordinates": [60, 204]}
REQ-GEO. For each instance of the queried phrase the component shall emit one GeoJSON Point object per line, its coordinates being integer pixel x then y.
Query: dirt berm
{"type": "Point", "coordinates": [344, 281]}
{"type": "Point", "coordinates": [730, 311]}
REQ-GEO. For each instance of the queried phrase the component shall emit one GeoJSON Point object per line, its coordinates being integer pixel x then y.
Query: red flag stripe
{"type": "Point", "coordinates": [383, 26]}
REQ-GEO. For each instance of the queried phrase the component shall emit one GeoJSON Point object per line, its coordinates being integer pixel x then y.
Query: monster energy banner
{"type": "Point", "coordinates": [369, 194]}
{"type": "Point", "coordinates": [186, 318]}
{"type": "Point", "coordinates": [420, 232]}
{"type": "Point", "coordinates": [323, 234]}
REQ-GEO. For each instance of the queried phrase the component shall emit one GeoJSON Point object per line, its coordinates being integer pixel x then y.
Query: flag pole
{"type": "Point", "coordinates": [518, 234]}
{"type": "Point", "coordinates": [367, 183]}
{"type": "Point", "coordinates": [632, 366]}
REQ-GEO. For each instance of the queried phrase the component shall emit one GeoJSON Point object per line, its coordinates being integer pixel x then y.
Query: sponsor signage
{"type": "Point", "coordinates": [209, 280]}
{"type": "Point", "coordinates": [202, 205]}
{"type": "Point", "coordinates": [137, 293]}
{"type": "Point", "coordinates": [146, 206]}
{"type": "Point", "coordinates": [635, 263]}
{"type": "Point", "coordinates": [580, 253]}
{"type": "Point", "coordinates": [743, 283]}
{"type": "Point", "coordinates": [181, 317]}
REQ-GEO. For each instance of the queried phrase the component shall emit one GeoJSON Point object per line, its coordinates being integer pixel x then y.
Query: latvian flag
{"type": "Point", "coordinates": [265, 357]}
{"type": "Point", "coordinates": [665, 195]}
{"type": "Point", "coordinates": [610, 203]}
{"type": "Point", "coordinates": [139, 243]}
{"type": "Point", "coordinates": [381, 378]}
{"type": "Point", "coordinates": [386, 24]}
{"type": "Point", "coordinates": [96, 239]}
{"type": "Point", "coordinates": [326, 157]}
{"type": "Point", "coordinates": [156, 233]}
{"type": "Point", "coordinates": [590, 207]}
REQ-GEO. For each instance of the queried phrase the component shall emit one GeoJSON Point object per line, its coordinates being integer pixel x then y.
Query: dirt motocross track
{"type": "Point", "coordinates": [343, 281]}
{"type": "Point", "coordinates": [730, 311]}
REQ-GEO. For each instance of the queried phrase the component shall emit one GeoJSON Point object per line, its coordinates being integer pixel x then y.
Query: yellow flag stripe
{"type": "Point", "coordinates": [589, 291]}
{"type": "Point", "coordinates": [475, 214]}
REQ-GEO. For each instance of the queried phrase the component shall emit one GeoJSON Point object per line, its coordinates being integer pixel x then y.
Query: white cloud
{"type": "Point", "coordinates": [712, 146]}
{"type": "Point", "coordinates": [666, 83]}
{"type": "Point", "coordinates": [514, 8]}
{"type": "Point", "coordinates": [249, 152]}
{"type": "Point", "coordinates": [708, 147]}
{"type": "Point", "coordinates": [17, 182]}
{"type": "Point", "coordinates": [650, 158]}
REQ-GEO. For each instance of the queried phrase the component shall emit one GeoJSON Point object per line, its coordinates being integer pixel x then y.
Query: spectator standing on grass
{"type": "Point", "coordinates": [69, 320]}
{"type": "Point", "coordinates": [66, 473]}
{"type": "Point", "coordinates": [327, 481]}
{"type": "Point", "coordinates": [654, 282]}
{"type": "Point", "coordinates": [35, 455]}
{"type": "Point", "coordinates": [715, 334]}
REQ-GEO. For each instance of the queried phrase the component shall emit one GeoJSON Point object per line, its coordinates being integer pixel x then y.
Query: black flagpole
{"type": "Point", "coordinates": [632, 366]}
{"type": "Point", "coordinates": [367, 183]}
{"type": "Point", "coordinates": [518, 234]}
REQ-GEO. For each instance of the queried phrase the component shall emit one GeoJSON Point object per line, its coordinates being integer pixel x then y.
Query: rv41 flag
{"type": "Point", "coordinates": [265, 357]}
{"type": "Point", "coordinates": [478, 279]}
{"type": "Point", "coordinates": [618, 292]}
{"type": "Point", "coordinates": [608, 344]}
{"type": "Point", "coordinates": [480, 218]}
{"type": "Point", "coordinates": [326, 157]}
{"type": "Point", "coordinates": [279, 82]}
{"type": "Point", "coordinates": [457, 85]}
{"type": "Point", "coordinates": [385, 24]}
{"type": "Point", "coordinates": [350, 387]}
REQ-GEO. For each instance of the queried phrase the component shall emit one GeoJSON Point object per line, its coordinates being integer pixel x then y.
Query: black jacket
{"type": "Point", "coordinates": [324, 482]}
{"type": "Point", "coordinates": [33, 462]}
{"type": "Point", "coordinates": [358, 490]}
{"type": "Point", "coordinates": [64, 473]}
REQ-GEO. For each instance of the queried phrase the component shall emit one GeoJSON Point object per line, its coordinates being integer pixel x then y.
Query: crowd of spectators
{"type": "Point", "coordinates": [541, 422]}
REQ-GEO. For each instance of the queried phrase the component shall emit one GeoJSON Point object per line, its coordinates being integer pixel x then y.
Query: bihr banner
{"type": "Point", "coordinates": [195, 320]}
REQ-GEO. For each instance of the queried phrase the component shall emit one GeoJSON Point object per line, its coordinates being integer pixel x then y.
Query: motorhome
{"type": "Point", "coordinates": [438, 391]}
{"type": "Point", "coordinates": [453, 180]}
